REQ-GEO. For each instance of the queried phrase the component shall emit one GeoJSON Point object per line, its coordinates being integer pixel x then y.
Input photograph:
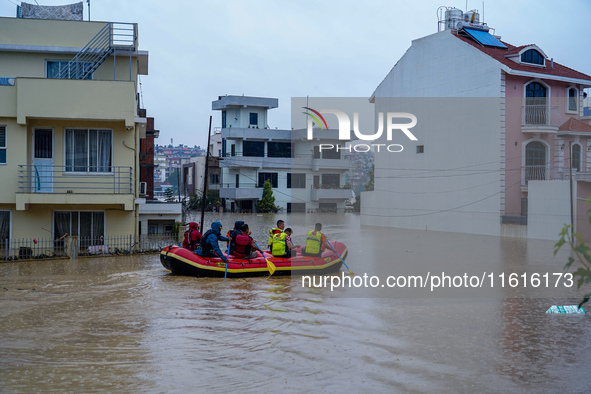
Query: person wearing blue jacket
{"type": "Point", "coordinates": [209, 246]}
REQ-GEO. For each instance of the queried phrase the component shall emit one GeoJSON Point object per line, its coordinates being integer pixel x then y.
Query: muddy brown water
{"type": "Point", "coordinates": [125, 324]}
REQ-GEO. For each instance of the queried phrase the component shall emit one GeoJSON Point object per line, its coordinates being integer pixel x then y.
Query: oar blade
{"type": "Point", "coordinates": [271, 267]}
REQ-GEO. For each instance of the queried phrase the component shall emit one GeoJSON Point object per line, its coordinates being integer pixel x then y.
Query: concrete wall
{"type": "Point", "coordinates": [548, 208]}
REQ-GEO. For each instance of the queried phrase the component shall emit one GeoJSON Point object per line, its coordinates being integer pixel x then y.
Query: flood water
{"type": "Point", "coordinates": [125, 324]}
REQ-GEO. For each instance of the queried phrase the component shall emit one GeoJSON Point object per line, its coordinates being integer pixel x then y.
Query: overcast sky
{"type": "Point", "coordinates": [199, 50]}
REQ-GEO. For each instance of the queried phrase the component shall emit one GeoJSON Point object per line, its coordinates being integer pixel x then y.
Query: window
{"type": "Point", "coordinates": [331, 181]}
{"type": "Point", "coordinates": [331, 153]}
{"type": "Point", "coordinates": [233, 150]}
{"type": "Point", "coordinates": [223, 119]}
{"type": "Point", "coordinates": [536, 112]}
{"type": "Point", "coordinates": [296, 181]}
{"type": "Point", "coordinates": [535, 161]}
{"type": "Point", "coordinates": [88, 226]}
{"type": "Point", "coordinates": [279, 149]}
{"type": "Point", "coordinates": [296, 207]}
{"type": "Point", "coordinates": [253, 148]}
{"type": "Point", "coordinates": [254, 119]}
{"type": "Point", "coordinates": [576, 157]}
{"type": "Point", "coordinates": [60, 69]}
{"type": "Point", "coordinates": [4, 227]}
{"type": "Point", "coordinates": [532, 56]}
{"type": "Point", "coordinates": [271, 176]}
{"type": "Point", "coordinates": [214, 179]}
{"type": "Point", "coordinates": [572, 99]}
{"type": "Point", "coordinates": [420, 148]}
{"type": "Point", "coordinates": [88, 150]}
{"type": "Point", "coordinates": [2, 144]}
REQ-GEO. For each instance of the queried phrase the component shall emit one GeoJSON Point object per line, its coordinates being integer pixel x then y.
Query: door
{"type": "Point", "coordinates": [42, 172]}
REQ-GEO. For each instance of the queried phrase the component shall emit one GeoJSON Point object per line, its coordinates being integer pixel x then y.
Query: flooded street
{"type": "Point", "coordinates": [125, 324]}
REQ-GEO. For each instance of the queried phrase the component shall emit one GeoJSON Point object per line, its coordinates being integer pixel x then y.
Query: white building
{"type": "Point", "coordinates": [303, 178]}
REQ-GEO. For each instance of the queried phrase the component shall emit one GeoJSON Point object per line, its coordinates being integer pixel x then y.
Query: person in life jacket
{"type": "Point", "coordinates": [282, 246]}
{"type": "Point", "coordinates": [245, 246]}
{"type": "Point", "coordinates": [316, 242]}
{"type": "Point", "coordinates": [209, 246]}
{"type": "Point", "coordinates": [233, 233]}
{"type": "Point", "coordinates": [275, 230]}
{"type": "Point", "coordinates": [192, 237]}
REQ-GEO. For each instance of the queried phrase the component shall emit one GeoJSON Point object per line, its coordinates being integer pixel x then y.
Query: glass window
{"type": "Point", "coordinates": [253, 148]}
{"type": "Point", "coordinates": [60, 69]}
{"type": "Point", "coordinates": [254, 119]}
{"type": "Point", "coordinates": [331, 181]}
{"type": "Point", "coordinates": [223, 119]}
{"type": "Point", "coordinates": [535, 161]}
{"type": "Point", "coordinates": [572, 99]}
{"type": "Point", "coordinates": [296, 181]}
{"type": "Point", "coordinates": [576, 157]}
{"type": "Point", "coordinates": [535, 104]}
{"type": "Point", "coordinates": [88, 150]}
{"type": "Point", "coordinates": [270, 176]}
{"type": "Point", "coordinates": [278, 149]}
{"type": "Point", "coordinates": [2, 144]}
{"type": "Point", "coordinates": [331, 153]}
{"type": "Point", "coordinates": [88, 226]}
{"type": "Point", "coordinates": [532, 56]}
{"type": "Point", "coordinates": [214, 179]}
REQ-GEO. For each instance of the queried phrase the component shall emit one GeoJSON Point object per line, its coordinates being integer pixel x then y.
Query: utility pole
{"type": "Point", "coordinates": [204, 194]}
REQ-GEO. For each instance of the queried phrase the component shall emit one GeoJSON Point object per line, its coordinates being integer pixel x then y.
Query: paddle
{"type": "Point", "coordinates": [350, 272]}
{"type": "Point", "coordinates": [227, 262]}
{"type": "Point", "coordinates": [270, 266]}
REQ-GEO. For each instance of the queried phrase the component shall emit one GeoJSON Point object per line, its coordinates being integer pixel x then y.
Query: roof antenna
{"type": "Point", "coordinates": [483, 13]}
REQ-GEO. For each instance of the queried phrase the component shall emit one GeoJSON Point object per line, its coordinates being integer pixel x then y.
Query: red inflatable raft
{"type": "Point", "coordinates": [181, 261]}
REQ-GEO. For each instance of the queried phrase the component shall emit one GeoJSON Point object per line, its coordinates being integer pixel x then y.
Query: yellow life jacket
{"type": "Point", "coordinates": [279, 244]}
{"type": "Point", "coordinates": [272, 232]}
{"type": "Point", "coordinates": [314, 242]}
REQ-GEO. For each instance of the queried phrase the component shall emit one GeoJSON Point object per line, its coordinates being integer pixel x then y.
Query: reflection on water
{"type": "Point", "coordinates": [125, 324]}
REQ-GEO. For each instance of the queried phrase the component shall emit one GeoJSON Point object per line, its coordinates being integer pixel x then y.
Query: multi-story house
{"type": "Point", "coordinates": [500, 129]}
{"type": "Point", "coordinates": [303, 178]}
{"type": "Point", "coordinates": [69, 129]}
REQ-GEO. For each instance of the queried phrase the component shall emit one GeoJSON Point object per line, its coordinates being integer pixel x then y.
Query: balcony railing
{"type": "Point", "coordinates": [535, 173]}
{"type": "Point", "coordinates": [62, 179]}
{"type": "Point", "coordinates": [541, 115]}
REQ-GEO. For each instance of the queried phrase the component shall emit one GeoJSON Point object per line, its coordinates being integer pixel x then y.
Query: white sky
{"type": "Point", "coordinates": [200, 50]}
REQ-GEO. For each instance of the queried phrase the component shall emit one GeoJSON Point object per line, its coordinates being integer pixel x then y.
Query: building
{"type": "Point", "coordinates": [302, 177]}
{"type": "Point", "coordinates": [69, 129]}
{"type": "Point", "coordinates": [499, 127]}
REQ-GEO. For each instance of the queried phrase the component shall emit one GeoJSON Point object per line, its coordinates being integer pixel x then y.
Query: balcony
{"type": "Point", "coordinates": [331, 194]}
{"type": "Point", "coordinates": [295, 163]}
{"type": "Point", "coordinates": [60, 185]}
{"type": "Point", "coordinates": [75, 99]}
{"type": "Point", "coordinates": [540, 119]}
{"type": "Point", "coordinates": [246, 191]}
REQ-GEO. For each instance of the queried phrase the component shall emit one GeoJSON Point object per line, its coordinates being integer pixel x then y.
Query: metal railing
{"type": "Point", "coordinates": [120, 36]}
{"type": "Point", "coordinates": [541, 115]}
{"type": "Point", "coordinates": [70, 179]}
{"type": "Point", "coordinates": [241, 185]}
{"type": "Point", "coordinates": [49, 248]}
{"type": "Point", "coordinates": [535, 173]}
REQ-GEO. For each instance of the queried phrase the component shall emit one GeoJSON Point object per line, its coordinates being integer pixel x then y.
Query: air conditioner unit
{"type": "Point", "coordinates": [143, 188]}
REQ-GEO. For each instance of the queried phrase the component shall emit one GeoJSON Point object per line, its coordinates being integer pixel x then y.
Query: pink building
{"type": "Point", "coordinates": [529, 134]}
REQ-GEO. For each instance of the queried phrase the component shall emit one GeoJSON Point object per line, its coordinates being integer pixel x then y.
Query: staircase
{"type": "Point", "coordinates": [120, 37]}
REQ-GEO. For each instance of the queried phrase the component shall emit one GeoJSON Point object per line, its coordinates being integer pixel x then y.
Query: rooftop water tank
{"type": "Point", "coordinates": [452, 17]}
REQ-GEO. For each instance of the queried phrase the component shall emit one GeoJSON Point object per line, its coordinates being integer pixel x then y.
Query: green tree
{"type": "Point", "coordinates": [581, 255]}
{"type": "Point", "coordinates": [267, 202]}
{"type": "Point", "coordinates": [169, 194]}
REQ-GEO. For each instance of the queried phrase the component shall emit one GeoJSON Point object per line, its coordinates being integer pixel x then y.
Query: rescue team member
{"type": "Point", "coordinates": [275, 230]}
{"type": "Point", "coordinates": [245, 245]}
{"type": "Point", "coordinates": [209, 246]}
{"type": "Point", "coordinates": [192, 237]}
{"type": "Point", "coordinates": [282, 246]}
{"type": "Point", "coordinates": [315, 242]}
{"type": "Point", "coordinates": [233, 233]}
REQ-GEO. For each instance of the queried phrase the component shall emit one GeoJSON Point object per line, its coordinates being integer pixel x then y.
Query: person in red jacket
{"type": "Point", "coordinates": [245, 246]}
{"type": "Point", "coordinates": [192, 237]}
